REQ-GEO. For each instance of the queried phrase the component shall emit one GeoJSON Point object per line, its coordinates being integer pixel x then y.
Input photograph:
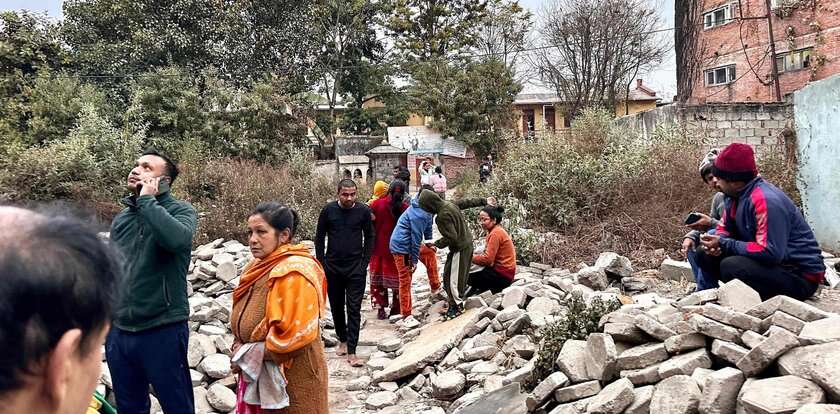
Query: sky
{"type": "Point", "coordinates": [663, 80]}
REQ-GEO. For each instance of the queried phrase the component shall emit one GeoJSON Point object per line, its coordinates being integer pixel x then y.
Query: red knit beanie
{"type": "Point", "coordinates": [735, 163]}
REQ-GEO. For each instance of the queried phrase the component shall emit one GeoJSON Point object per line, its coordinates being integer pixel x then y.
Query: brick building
{"type": "Point", "coordinates": [733, 47]}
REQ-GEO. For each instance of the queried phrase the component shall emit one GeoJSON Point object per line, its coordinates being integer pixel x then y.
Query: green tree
{"type": "Point", "coordinates": [434, 29]}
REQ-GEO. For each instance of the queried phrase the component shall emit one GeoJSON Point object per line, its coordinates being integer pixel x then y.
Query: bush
{"type": "Point", "coordinates": [578, 321]}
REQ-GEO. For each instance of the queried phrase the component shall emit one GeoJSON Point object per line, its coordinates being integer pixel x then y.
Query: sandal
{"type": "Point", "coordinates": [355, 361]}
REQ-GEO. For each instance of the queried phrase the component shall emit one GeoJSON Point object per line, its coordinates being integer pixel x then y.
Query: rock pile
{"type": "Point", "coordinates": [714, 351]}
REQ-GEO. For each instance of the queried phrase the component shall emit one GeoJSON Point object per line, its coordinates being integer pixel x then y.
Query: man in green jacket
{"type": "Point", "coordinates": [148, 341]}
{"type": "Point", "coordinates": [455, 234]}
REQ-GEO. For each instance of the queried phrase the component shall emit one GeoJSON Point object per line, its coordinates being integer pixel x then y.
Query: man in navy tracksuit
{"type": "Point", "coordinates": [762, 238]}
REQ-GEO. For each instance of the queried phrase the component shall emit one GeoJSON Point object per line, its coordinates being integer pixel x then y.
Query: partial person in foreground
{"type": "Point", "coordinates": [384, 275]}
{"type": "Point", "coordinates": [149, 341]}
{"type": "Point", "coordinates": [455, 234]}
{"type": "Point", "coordinates": [762, 238]}
{"type": "Point", "coordinates": [499, 256]}
{"type": "Point", "coordinates": [56, 302]}
{"type": "Point", "coordinates": [275, 320]}
{"type": "Point", "coordinates": [691, 241]}
{"type": "Point", "coordinates": [343, 245]}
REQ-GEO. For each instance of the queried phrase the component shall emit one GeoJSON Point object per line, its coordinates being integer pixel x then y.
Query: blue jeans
{"type": "Point", "coordinates": [704, 281]}
{"type": "Point", "coordinates": [156, 356]}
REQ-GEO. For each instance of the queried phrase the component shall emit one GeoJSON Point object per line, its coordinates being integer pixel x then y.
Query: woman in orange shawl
{"type": "Point", "coordinates": [279, 301]}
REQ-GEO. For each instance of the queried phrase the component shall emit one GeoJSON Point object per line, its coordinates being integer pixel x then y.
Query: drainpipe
{"type": "Point", "coordinates": [773, 52]}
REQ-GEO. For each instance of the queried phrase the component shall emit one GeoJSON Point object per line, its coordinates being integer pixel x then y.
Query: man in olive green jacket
{"type": "Point", "coordinates": [455, 234]}
{"type": "Point", "coordinates": [149, 338]}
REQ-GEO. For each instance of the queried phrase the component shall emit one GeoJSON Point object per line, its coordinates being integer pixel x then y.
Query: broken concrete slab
{"type": "Point", "coordinates": [675, 395]}
{"type": "Point", "coordinates": [793, 307]}
{"type": "Point", "coordinates": [504, 400]}
{"type": "Point", "coordinates": [642, 356]}
{"type": "Point", "coordinates": [685, 364]}
{"type": "Point", "coordinates": [675, 270]}
{"type": "Point", "coordinates": [594, 278]}
{"type": "Point", "coordinates": [819, 409]}
{"type": "Point", "coordinates": [613, 398]}
{"type": "Point", "coordinates": [699, 376]}
{"type": "Point", "coordinates": [760, 357]}
{"type": "Point", "coordinates": [720, 391]}
{"type": "Point", "coordinates": [783, 394]}
{"type": "Point", "coordinates": [821, 331]}
{"type": "Point", "coordinates": [514, 296]}
{"type": "Point", "coordinates": [577, 391]}
{"type": "Point", "coordinates": [818, 363]}
{"type": "Point", "coordinates": [601, 357]}
{"type": "Point", "coordinates": [572, 361]}
{"type": "Point", "coordinates": [545, 389]}
{"type": "Point", "coordinates": [431, 346]}
{"type": "Point", "coordinates": [641, 401]}
{"type": "Point", "coordinates": [738, 295]}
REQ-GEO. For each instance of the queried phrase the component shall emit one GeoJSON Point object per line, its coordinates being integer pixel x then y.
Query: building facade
{"type": "Point", "coordinates": [735, 57]}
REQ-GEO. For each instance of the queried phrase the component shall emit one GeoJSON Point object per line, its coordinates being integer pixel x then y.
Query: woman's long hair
{"type": "Point", "coordinates": [397, 193]}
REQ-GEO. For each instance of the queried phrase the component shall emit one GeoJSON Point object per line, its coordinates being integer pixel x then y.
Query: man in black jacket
{"type": "Point", "coordinates": [349, 228]}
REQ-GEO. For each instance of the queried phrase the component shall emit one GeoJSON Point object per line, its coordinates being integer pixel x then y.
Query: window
{"type": "Point", "coordinates": [795, 60]}
{"type": "Point", "coordinates": [720, 76]}
{"type": "Point", "coordinates": [717, 17]}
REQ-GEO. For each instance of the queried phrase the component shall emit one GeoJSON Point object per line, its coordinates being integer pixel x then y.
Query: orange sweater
{"type": "Point", "coordinates": [499, 253]}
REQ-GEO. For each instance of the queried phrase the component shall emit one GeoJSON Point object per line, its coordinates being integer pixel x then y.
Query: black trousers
{"type": "Point", "coordinates": [346, 291]}
{"type": "Point", "coordinates": [487, 279]}
{"type": "Point", "coordinates": [767, 279]}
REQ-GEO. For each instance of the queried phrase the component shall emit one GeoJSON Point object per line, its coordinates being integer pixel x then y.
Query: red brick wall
{"type": "Point", "coordinates": [745, 43]}
{"type": "Point", "coordinates": [454, 167]}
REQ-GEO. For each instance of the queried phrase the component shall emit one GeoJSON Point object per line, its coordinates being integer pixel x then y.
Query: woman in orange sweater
{"type": "Point", "coordinates": [498, 259]}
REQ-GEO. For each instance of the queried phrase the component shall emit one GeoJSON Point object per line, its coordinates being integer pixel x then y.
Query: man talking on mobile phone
{"type": "Point", "coordinates": [148, 341]}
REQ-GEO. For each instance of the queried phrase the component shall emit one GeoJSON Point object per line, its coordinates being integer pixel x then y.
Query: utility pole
{"type": "Point", "coordinates": [775, 68]}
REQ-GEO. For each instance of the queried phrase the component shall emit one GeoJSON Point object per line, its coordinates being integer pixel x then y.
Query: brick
{"type": "Point", "coordinates": [728, 351]}
{"type": "Point", "coordinates": [760, 357]}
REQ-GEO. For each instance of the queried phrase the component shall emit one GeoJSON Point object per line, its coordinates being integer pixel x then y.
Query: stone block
{"type": "Point", "coordinates": [700, 375]}
{"type": "Point", "coordinates": [641, 401]}
{"type": "Point", "coordinates": [676, 270]}
{"type": "Point", "coordinates": [760, 357]}
{"type": "Point", "coordinates": [818, 363]}
{"type": "Point", "coordinates": [514, 297]}
{"type": "Point", "coordinates": [614, 265]}
{"type": "Point", "coordinates": [684, 342]}
{"type": "Point", "coordinates": [380, 400]}
{"type": "Point", "coordinates": [626, 332]}
{"type": "Point", "coordinates": [714, 329]}
{"type": "Point", "coordinates": [519, 325]}
{"type": "Point", "coordinates": [545, 389]}
{"type": "Point", "coordinates": [572, 360]}
{"type": "Point", "coordinates": [720, 391]}
{"type": "Point", "coordinates": [783, 320]}
{"type": "Point", "coordinates": [644, 376]}
{"type": "Point", "coordinates": [793, 307]}
{"type": "Point", "coordinates": [543, 305]}
{"type": "Point", "coordinates": [727, 351]}
{"type": "Point", "coordinates": [520, 345]}
{"type": "Point", "coordinates": [592, 277]}
{"type": "Point", "coordinates": [642, 356]}
{"type": "Point", "coordinates": [819, 409]}
{"type": "Point", "coordinates": [577, 391]}
{"type": "Point", "coordinates": [480, 353]}
{"type": "Point", "coordinates": [652, 327]}
{"type": "Point", "coordinates": [509, 314]}
{"type": "Point", "coordinates": [821, 331]}
{"type": "Point", "coordinates": [474, 302]}
{"type": "Point", "coordinates": [698, 298]}
{"type": "Point", "coordinates": [675, 395]}
{"type": "Point", "coordinates": [601, 357]}
{"type": "Point", "coordinates": [448, 385]}
{"type": "Point", "coordinates": [779, 395]}
{"type": "Point", "coordinates": [738, 295]}
{"type": "Point", "coordinates": [751, 338]}
{"type": "Point", "coordinates": [520, 375]}
{"type": "Point", "coordinates": [730, 317]}
{"type": "Point", "coordinates": [685, 364]}
{"type": "Point", "coordinates": [613, 398]}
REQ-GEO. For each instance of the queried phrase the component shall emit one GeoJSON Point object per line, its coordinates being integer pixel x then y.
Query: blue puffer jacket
{"type": "Point", "coordinates": [413, 227]}
{"type": "Point", "coordinates": [765, 225]}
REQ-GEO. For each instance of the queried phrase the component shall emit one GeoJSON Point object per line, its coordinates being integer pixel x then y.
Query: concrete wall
{"type": "Point", "coordinates": [760, 125]}
{"type": "Point", "coordinates": [817, 129]}
{"type": "Point", "coordinates": [355, 145]}
{"type": "Point", "coordinates": [326, 168]}
{"type": "Point", "coordinates": [382, 165]}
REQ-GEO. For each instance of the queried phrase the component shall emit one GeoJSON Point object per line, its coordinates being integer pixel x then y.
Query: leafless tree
{"type": "Point", "coordinates": [503, 34]}
{"type": "Point", "coordinates": [591, 50]}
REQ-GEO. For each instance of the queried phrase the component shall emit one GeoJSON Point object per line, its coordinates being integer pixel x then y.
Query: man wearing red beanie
{"type": "Point", "coordinates": [762, 238]}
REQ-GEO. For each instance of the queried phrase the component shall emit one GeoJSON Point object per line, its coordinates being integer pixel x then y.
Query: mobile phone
{"type": "Point", "coordinates": [692, 218]}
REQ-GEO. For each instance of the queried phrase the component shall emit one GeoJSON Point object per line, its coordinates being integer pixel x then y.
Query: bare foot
{"type": "Point", "coordinates": [355, 361]}
{"type": "Point", "coordinates": [342, 349]}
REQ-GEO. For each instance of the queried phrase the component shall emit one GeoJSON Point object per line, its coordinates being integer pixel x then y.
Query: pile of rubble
{"type": "Point", "coordinates": [714, 351]}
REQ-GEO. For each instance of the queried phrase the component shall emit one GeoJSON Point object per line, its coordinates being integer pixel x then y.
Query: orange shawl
{"type": "Point", "coordinates": [296, 299]}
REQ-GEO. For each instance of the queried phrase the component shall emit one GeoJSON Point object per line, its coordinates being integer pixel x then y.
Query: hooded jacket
{"type": "Point", "coordinates": [765, 225]}
{"type": "Point", "coordinates": [451, 223]}
{"type": "Point", "coordinates": [413, 226]}
{"type": "Point", "coordinates": [154, 234]}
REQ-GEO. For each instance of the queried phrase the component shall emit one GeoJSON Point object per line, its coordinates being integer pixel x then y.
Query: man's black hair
{"type": "Point", "coordinates": [172, 170]}
{"type": "Point", "coordinates": [57, 276]}
{"type": "Point", "coordinates": [346, 183]}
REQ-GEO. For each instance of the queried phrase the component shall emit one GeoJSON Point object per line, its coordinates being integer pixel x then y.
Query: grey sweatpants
{"type": "Point", "coordinates": [455, 273]}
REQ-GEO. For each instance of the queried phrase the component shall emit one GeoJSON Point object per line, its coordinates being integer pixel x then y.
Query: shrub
{"type": "Point", "coordinates": [578, 321]}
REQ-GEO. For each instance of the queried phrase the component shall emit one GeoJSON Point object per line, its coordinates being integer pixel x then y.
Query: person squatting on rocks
{"type": "Point", "coordinates": [455, 234]}
{"type": "Point", "coordinates": [705, 223]}
{"type": "Point", "coordinates": [762, 238]}
{"type": "Point", "coordinates": [56, 302]}
{"type": "Point", "coordinates": [383, 271]}
{"type": "Point", "coordinates": [148, 342]}
{"type": "Point", "coordinates": [348, 226]}
{"type": "Point", "coordinates": [499, 256]}
{"type": "Point", "coordinates": [438, 183]}
{"type": "Point", "coordinates": [408, 245]}
{"type": "Point", "coordinates": [277, 307]}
